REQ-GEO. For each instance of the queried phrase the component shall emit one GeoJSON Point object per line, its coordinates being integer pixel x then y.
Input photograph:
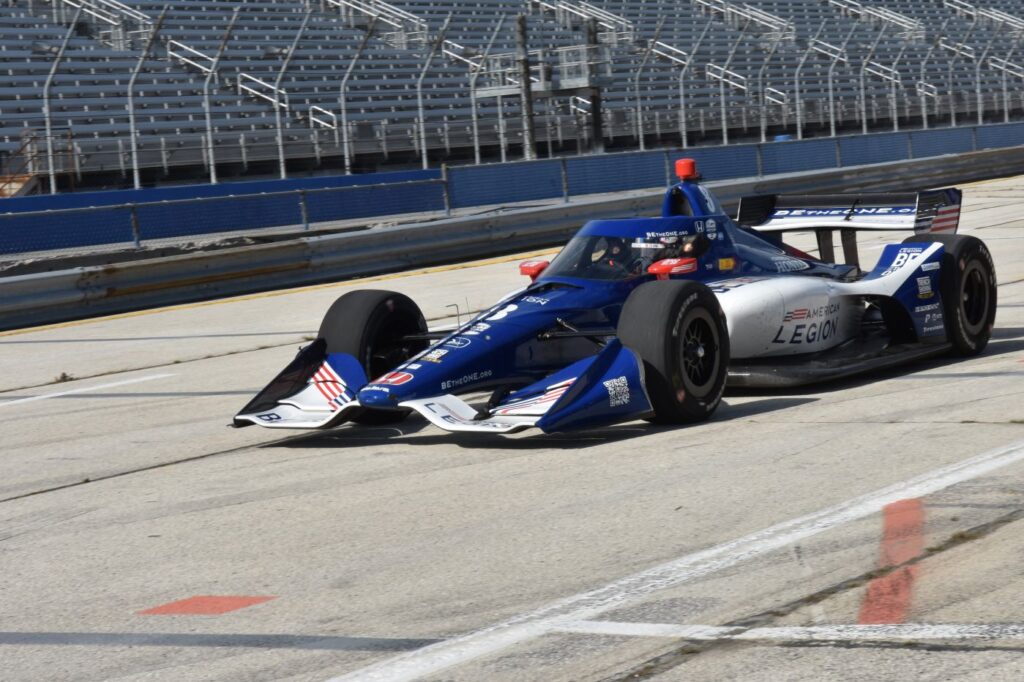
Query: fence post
{"type": "Point", "coordinates": [565, 180]}
{"type": "Point", "coordinates": [304, 210]}
{"type": "Point", "coordinates": [974, 139]}
{"type": "Point", "coordinates": [839, 152]}
{"type": "Point", "coordinates": [910, 145]}
{"type": "Point", "coordinates": [760, 159]}
{"type": "Point", "coordinates": [136, 232]}
{"type": "Point", "coordinates": [445, 191]}
{"type": "Point", "coordinates": [668, 168]}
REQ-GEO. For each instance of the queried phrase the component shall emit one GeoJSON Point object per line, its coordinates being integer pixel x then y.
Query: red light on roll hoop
{"type": "Point", "coordinates": [686, 169]}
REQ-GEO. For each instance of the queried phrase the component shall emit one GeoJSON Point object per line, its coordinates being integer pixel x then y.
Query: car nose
{"type": "Point", "coordinates": [377, 396]}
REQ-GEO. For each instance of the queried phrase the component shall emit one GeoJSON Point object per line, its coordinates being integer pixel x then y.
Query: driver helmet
{"type": "Point", "coordinates": [617, 252]}
{"type": "Point", "coordinates": [670, 248]}
{"type": "Point", "coordinates": [696, 245]}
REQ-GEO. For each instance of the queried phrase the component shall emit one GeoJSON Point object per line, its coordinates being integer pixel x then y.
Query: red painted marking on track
{"type": "Point", "coordinates": [887, 599]}
{"type": "Point", "coordinates": [204, 605]}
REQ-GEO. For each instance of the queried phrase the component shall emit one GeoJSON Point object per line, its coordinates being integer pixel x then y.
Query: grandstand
{"type": "Point", "coordinates": [334, 83]}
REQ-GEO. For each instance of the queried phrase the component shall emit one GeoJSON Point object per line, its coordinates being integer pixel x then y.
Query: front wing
{"type": "Point", "coordinates": [319, 390]}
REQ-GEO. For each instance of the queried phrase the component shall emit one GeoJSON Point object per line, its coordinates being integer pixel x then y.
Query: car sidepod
{"type": "Point", "coordinates": [910, 275]}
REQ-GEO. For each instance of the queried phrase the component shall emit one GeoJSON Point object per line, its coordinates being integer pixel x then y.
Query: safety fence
{"type": "Point", "coordinates": [133, 217]}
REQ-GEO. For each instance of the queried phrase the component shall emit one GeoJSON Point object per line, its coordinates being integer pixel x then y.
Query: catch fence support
{"type": "Point", "coordinates": [419, 91]}
{"type": "Point", "coordinates": [683, 131]}
{"type": "Point", "coordinates": [636, 84]}
{"type": "Point", "coordinates": [346, 141]}
{"type": "Point", "coordinates": [210, 76]}
{"type": "Point", "coordinates": [525, 89]}
{"type": "Point", "coordinates": [277, 93]}
{"type": "Point", "coordinates": [474, 74]}
{"type": "Point", "coordinates": [51, 171]}
{"type": "Point", "coordinates": [132, 131]}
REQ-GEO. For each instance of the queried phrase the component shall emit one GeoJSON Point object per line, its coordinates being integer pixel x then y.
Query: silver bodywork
{"type": "Point", "coordinates": [780, 316]}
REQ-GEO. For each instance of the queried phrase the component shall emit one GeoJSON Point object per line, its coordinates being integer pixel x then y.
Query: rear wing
{"type": "Point", "coordinates": [936, 210]}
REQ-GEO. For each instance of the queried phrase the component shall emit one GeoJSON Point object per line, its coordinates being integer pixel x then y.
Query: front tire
{"type": "Point", "coordinates": [678, 329]}
{"type": "Point", "coordinates": [372, 325]}
{"type": "Point", "coordinates": [968, 287]}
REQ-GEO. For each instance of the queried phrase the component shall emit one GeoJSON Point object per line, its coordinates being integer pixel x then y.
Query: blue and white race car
{"type": "Point", "coordinates": [653, 317]}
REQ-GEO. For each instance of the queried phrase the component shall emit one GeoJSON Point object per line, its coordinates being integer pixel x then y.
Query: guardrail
{"type": "Point", "coordinates": [49, 297]}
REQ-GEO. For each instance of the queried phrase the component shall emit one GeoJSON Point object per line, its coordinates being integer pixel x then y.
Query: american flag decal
{"type": "Point", "coordinates": [934, 216]}
{"type": "Point", "coordinates": [331, 387]}
{"type": "Point", "coordinates": [798, 314]}
{"type": "Point", "coordinates": [946, 219]}
{"type": "Point", "coordinates": [550, 395]}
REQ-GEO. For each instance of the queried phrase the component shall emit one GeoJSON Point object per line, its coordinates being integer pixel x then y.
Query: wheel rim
{"type": "Point", "coordinates": [700, 352]}
{"type": "Point", "coordinates": [974, 302]}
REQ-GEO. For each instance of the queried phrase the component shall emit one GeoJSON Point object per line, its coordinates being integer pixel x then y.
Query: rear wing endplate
{"type": "Point", "coordinates": [936, 210]}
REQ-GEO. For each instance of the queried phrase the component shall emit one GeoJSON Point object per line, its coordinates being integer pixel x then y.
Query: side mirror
{"type": "Point", "coordinates": [533, 268]}
{"type": "Point", "coordinates": [672, 266]}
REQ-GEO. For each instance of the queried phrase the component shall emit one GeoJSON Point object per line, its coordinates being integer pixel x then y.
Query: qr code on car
{"type": "Point", "coordinates": [618, 391]}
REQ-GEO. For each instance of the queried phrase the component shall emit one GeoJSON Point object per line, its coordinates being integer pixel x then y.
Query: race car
{"type": "Point", "coordinates": [652, 317]}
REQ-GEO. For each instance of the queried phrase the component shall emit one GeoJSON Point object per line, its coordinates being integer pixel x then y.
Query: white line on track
{"type": "Point", "coordinates": [87, 389]}
{"type": "Point", "coordinates": [587, 605]}
{"type": "Point", "coordinates": [903, 631]}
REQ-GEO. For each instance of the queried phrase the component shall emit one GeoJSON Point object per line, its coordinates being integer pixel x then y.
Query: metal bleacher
{"type": "Point", "coordinates": [310, 82]}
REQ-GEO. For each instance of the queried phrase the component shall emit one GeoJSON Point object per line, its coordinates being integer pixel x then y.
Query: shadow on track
{"type": "Point", "coordinates": [1005, 341]}
{"type": "Point", "coordinates": [417, 431]}
{"type": "Point", "coordinates": [753, 408]}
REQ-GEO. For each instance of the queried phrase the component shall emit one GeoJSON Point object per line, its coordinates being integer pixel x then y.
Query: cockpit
{"type": "Point", "coordinates": [607, 257]}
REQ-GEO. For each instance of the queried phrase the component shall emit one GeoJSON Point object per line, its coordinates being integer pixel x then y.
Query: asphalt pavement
{"type": "Point", "coordinates": [861, 530]}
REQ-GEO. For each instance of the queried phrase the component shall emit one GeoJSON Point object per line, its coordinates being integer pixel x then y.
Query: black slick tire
{"type": "Point", "coordinates": [371, 325]}
{"type": "Point", "coordinates": [968, 288]}
{"type": "Point", "coordinates": [678, 329]}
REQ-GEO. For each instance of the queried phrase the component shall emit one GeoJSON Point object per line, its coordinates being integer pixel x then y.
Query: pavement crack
{"type": "Point", "coordinates": [915, 646]}
{"type": "Point", "coordinates": [683, 653]}
{"type": "Point", "coordinates": [301, 340]}
{"type": "Point", "coordinates": [139, 470]}
{"type": "Point", "coordinates": [142, 368]}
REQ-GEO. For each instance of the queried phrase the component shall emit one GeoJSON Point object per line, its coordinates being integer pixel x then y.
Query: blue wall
{"type": "Point", "coordinates": [243, 206]}
{"type": "Point", "coordinates": [246, 206]}
{"type": "Point", "coordinates": [140, 196]}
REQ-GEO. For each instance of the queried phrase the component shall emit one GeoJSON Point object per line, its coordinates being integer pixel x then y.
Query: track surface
{"type": "Point", "coordinates": [622, 553]}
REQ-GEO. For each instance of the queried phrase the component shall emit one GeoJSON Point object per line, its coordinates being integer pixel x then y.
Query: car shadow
{"type": "Point", "coordinates": [1008, 333]}
{"type": "Point", "coordinates": [1004, 341]}
{"type": "Point", "coordinates": [731, 410]}
{"type": "Point", "coordinates": [416, 430]}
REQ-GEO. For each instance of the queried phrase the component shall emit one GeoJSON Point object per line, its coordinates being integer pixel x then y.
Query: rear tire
{"type": "Point", "coordinates": [968, 288]}
{"type": "Point", "coordinates": [678, 329]}
{"type": "Point", "coordinates": [370, 325]}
